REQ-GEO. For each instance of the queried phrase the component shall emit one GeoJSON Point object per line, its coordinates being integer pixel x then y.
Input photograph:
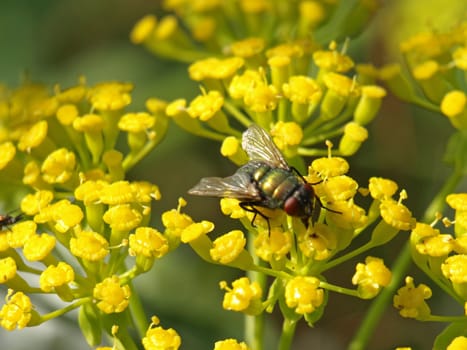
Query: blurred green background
{"type": "Point", "coordinates": [56, 41]}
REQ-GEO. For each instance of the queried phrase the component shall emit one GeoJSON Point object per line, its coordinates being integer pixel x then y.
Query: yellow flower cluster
{"type": "Point", "coordinates": [244, 28]}
{"type": "Point", "coordinates": [443, 256]}
{"type": "Point", "coordinates": [60, 149]}
{"type": "Point", "coordinates": [435, 62]}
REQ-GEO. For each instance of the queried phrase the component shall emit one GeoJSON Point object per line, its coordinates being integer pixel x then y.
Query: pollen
{"type": "Point", "coordinates": [302, 89]}
{"type": "Point", "coordinates": [38, 247]}
{"type": "Point", "coordinates": [228, 247]}
{"type": "Point", "coordinates": [381, 188]}
{"type": "Point", "coordinates": [148, 242]}
{"type": "Point", "coordinates": [136, 122]}
{"type": "Point", "coordinates": [7, 269]}
{"type": "Point", "coordinates": [56, 276]}
{"type": "Point", "coordinates": [206, 106]}
{"type": "Point", "coordinates": [7, 153]}
{"type": "Point", "coordinates": [33, 137]}
{"type": "Point", "coordinates": [397, 215]}
{"type": "Point", "coordinates": [58, 167]}
{"type": "Point", "coordinates": [89, 245]}
{"type": "Point", "coordinates": [16, 313]}
{"type": "Point", "coordinates": [122, 217]}
{"type": "Point", "coordinates": [302, 293]}
{"type": "Point", "coordinates": [111, 296]}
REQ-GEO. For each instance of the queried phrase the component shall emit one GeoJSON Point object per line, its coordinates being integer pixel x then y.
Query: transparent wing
{"type": "Point", "coordinates": [237, 186]}
{"type": "Point", "coordinates": [259, 146]}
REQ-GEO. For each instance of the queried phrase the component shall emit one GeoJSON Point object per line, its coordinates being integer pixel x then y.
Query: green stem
{"type": "Point", "coordinates": [254, 325]}
{"type": "Point", "coordinates": [66, 309]}
{"type": "Point", "coordinates": [339, 289]}
{"type": "Point", "coordinates": [401, 265]}
{"type": "Point", "coordinates": [288, 331]}
{"type": "Point", "coordinates": [137, 312]}
{"type": "Point", "coordinates": [235, 112]}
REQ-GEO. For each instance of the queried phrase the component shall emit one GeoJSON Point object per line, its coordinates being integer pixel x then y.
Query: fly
{"type": "Point", "coordinates": [265, 181]}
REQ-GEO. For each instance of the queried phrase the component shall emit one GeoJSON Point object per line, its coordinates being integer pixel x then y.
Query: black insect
{"type": "Point", "coordinates": [265, 181]}
{"type": "Point", "coordinates": [7, 220]}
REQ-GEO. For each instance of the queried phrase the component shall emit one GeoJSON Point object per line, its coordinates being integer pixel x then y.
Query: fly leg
{"type": "Point", "coordinates": [250, 206]}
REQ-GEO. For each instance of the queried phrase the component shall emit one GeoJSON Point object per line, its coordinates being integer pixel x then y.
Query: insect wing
{"type": "Point", "coordinates": [259, 146]}
{"type": "Point", "coordinates": [237, 186]}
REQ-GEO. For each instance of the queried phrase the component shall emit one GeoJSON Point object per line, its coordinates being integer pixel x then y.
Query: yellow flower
{"type": "Point", "coordinates": [206, 106]}
{"type": "Point", "coordinates": [38, 247]}
{"type": "Point", "coordinates": [333, 61]}
{"type": "Point", "coordinates": [338, 188]}
{"type": "Point", "coordinates": [371, 277]}
{"type": "Point", "coordinates": [62, 213]}
{"type": "Point", "coordinates": [228, 247]}
{"type": "Point", "coordinates": [122, 217]}
{"type": "Point", "coordinates": [455, 268]}
{"type": "Point", "coordinates": [111, 96]}
{"type": "Point", "coordinates": [458, 343]}
{"type": "Point", "coordinates": [215, 68]}
{"type": "Point", "coordinates": [21, 233]}
{"type": "Point", "coordinates": [195, 230]}
{"type": "Point", "coordinates": [368, 104]}
{"type": "Point", "coordinates": [33, 137]}
{"type": "Point", "coordinates": [230, 344]}
{"type": "Point", "coordinates": [136, 122]}
{"type": "Point", "coordinates": [111, 296]}
{"type": "Point", "coordinates": [274, 245]}
{"type": "Point", "coordinates": [262, 98]}
{"type": "Point", "coordinates": [243, 296]}
{"type": "Point", "coordinates": [381, 188]}
{"type": "Point", "coordinates": [16, 313]}
{"type": "Point", "coordinates": [56, 276]}
{"type": "Point", "coordinates": [31, 204]}
{"type": "Point", "coordinates": [7, 269]}
{"type": "Point", "coordinates": [143, 28]}
{"type": "Point", "coordinates": [410, 300]}
{"type": "Point", "coordinates": [90, 123]}
{"type": "Point", "coordinates": [175, 222]}
{"type": "Point", "coordinates": [229, 206]}
{"type": "Point", "coordinates": [242, 84]}
{"type": "Point", "coordinates": [67, 113]}
{"type": "Point", "coordinates": [302, 293]}
{"type": "Point", "coordinates": [58, 167]}
{"type": "Point", "coordinates": [318, 242]}
{"type": "Point", "coordinates": [7, 153]}
{"type": "Point", "coordinates": [354, 136]}
{"type": "Point", "coordinates": [119, 192]}
{"type": "Point", "coordinates": [148, 242]}
{"type": "Point", "coordinates": [397, 215]}
{"type": "Point", "coordinates": [158, 338]}
{"type": "Point", "coordinates": [436, 245]}
{"type": "Point", "coordinates": [302, 89]}
{"type": "Point", "coordinates": [89, 245]}
{"type": "Point", "coordinates": [330, 166]}
{"type": "Point", "coordinates": [247, 47]}
{"type": "Point", "coordinates": [89, 192]}
{"type": "Point", "coordinates": [287, 134]}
